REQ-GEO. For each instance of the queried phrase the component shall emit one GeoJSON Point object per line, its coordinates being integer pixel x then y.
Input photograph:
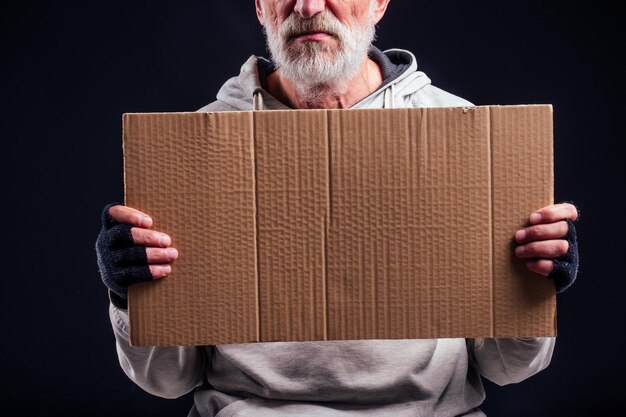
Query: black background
{"type": "Point", "coordinates": [69, 69]}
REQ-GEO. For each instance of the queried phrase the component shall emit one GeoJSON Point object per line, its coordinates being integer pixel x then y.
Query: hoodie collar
{"type": "Point", "coordinates": [251, 85]}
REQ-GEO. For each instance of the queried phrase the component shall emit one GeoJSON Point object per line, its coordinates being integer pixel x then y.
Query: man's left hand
{"type": "Point", "coordinates": [545, 239]}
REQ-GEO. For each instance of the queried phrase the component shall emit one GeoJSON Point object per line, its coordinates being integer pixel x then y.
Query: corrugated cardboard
{"type": "Point", "coordinates": [341, 224]}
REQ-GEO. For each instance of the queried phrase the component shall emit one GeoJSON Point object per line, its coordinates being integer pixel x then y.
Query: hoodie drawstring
{"type": "Point", "coordinates": [388, 97]}
{"type": "Point", "coordinates": [257, 100]}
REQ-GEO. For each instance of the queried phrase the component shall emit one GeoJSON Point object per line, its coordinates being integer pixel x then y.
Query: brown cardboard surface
{"type": "Point", "coordinates": [341, 224]}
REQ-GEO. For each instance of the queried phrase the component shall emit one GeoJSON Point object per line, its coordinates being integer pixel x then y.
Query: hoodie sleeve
{"type": "Point", "coordinates": [507, 361]}
{"type": "Point", "coordinates": [167, 372]}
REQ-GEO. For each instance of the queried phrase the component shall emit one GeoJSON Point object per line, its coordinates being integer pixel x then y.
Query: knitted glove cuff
{"type": "Point", "coordinates": [117, 301]}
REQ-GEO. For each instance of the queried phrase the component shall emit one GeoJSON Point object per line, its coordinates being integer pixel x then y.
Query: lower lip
{"type": "Point", "coordinates": [317, 36]}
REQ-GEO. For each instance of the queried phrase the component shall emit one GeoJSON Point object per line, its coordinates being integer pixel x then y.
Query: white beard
{"type": "Point", "coordinates": [315, 68]}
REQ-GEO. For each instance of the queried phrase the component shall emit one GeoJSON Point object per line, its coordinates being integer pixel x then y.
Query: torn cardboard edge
{"type": "Point", "coordinates": [291, 172]}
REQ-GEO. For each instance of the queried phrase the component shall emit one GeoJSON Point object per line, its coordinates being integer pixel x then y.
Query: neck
{"type": "Point", "coordinates": [367, 80]}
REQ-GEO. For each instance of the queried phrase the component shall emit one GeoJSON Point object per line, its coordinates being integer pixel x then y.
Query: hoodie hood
{"type": "Point", "coordinates": [399, 68]}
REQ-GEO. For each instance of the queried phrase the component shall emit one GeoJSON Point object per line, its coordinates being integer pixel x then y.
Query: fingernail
{"type": "Point", "coordinates": [519, 251]}
{"type": "Point", "coordinates": [146, 221]}
{"type": "Point", "coordinates": [165, 240]}
{"type": "Point", "coordinates": [520, 235]}
{"type": "Point", "coordinates": [171, 254]}
{"type": "Point", "coordinates": [535, 218]}
{"type": "Point", "coordinates": [166, 269]}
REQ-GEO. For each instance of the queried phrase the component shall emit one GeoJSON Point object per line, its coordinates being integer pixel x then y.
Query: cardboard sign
{"type": "Point", "coordinates": [341, 224]}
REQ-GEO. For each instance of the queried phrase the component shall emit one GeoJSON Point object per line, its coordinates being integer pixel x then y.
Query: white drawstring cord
{"type": "Point", "coordinates": [257, 100]}
{"type": "Point", "coordinates": [388, 97]}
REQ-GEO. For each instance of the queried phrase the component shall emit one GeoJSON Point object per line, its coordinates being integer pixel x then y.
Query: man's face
{"type": "Point", "coordinates": [317, 42]}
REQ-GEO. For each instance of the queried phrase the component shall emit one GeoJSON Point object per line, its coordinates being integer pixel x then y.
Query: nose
{"type": "Point", "coordinates": [309, 8]}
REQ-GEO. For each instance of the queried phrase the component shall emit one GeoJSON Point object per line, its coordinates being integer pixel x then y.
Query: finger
{"type": "Point", "coordinates": [542, 232]}
{"type": "Point", "coordinates": [150, 238]}
{"type": "Point", "coordinates": [554, 213]}
{"type": "Point", "coordinates": [118, 236]}
{"type": "Point", "coordinates": [158, 255]}
{"type": "Point", "coordinates": [160, 270]}
{"type": "Point", "coordinates": [133, 255]}
{"type": "Point", "coordinates": [128, 215]}
{"type": "Point", "coordinates": [543, 249]}
{"type": "Point", "coordinates": [131, 275]}
{"type": "Point", "coordinates": [541, 266]}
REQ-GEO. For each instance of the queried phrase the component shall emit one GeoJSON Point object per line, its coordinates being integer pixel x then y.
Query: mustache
{"type": "Point", "coordinates": [322, 22]}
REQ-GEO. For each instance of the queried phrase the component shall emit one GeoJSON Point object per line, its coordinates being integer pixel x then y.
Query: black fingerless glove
{"type": "Point", "coordinates": [566, 267]}
{"type": "Point", "coordinates": [120, 260]}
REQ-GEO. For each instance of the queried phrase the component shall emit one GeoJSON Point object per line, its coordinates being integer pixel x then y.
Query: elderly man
{"type": "Point", "coordinates": [322, 57]}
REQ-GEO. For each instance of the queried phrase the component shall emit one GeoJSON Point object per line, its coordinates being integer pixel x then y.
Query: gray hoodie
{"type": "Point", "coordinates": [425, 377]}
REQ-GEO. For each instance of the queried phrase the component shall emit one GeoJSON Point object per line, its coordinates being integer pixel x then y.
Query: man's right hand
{"type": "Point", "coordinates": [129, 252]}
